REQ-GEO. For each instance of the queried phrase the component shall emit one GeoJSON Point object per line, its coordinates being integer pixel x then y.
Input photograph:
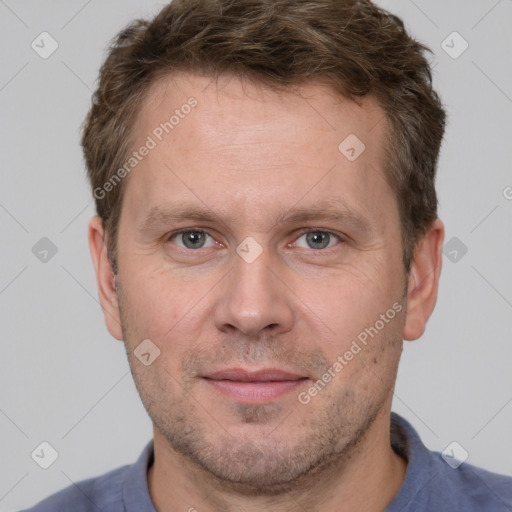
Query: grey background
{"type": "Point", "coordinates": [64, 380]}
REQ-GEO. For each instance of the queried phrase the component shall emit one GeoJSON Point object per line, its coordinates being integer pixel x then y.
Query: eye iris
{"type": "Point", "coordinates": [193, 239]}
{"type": "Point", "coordinates": [318, 240]}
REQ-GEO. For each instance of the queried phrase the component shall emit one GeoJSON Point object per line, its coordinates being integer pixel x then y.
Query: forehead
{"type": "Point", "coordinates": [233, 140]}
{"type": "Point", "coordinates": [228, 97]}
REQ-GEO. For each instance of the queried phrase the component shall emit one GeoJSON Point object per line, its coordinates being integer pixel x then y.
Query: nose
{"type": "Point", "coordinates": [254, 298]}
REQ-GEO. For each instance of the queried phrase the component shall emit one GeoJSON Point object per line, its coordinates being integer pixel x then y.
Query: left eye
{"type": "Point", "coordinates": [194, 239]}
{"type": "Point", "coordinates": [317, 240]}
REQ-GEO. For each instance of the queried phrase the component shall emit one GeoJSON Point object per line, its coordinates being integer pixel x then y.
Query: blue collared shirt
{"type": "Point", "coordinates": [430, 485]}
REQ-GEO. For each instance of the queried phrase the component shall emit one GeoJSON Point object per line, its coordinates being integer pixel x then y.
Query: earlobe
{"type": "Point", "coordinates": [105, 277]}
{"type": "Point", "coordinates": [424, 281]}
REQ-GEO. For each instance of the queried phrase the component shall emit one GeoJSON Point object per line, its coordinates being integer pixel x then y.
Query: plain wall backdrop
{"type": "Point", "coordinates": [64, 380]}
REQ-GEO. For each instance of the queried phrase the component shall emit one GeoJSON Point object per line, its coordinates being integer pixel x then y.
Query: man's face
{"type": "Point", "coordinates": [291, 251]}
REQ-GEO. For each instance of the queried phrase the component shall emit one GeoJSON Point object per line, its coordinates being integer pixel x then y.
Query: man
{"type": "Point", "coordinates": [267, 237]}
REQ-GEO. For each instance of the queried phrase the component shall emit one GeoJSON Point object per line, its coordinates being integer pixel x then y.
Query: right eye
{"type": "Point", "coordinates": [191, 239]}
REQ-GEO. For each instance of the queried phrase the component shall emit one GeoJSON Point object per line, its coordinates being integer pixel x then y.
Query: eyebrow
{"type": "Point", "coordinates": [337, 212]}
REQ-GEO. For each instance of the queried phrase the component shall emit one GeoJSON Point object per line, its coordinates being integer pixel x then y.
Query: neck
{"type": "Point", "coordinates": [366, 478]}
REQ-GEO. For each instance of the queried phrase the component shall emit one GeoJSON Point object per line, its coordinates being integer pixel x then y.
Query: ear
{"type": "Point", "coordinates": [424, 281]}
{"type": "Point", "coordinates": [104, 277]}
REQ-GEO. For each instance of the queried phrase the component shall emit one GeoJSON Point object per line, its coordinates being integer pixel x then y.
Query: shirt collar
{"type": "Point", "coordinates": [407, 443]}
{"type": "Point", "coordinates": [135, 488]}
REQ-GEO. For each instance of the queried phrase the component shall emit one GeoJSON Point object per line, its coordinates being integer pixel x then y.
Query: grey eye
{"type": "Point", "coordinates": [192, 239]}
{"type": "Point", "coordinates": [317, 240]}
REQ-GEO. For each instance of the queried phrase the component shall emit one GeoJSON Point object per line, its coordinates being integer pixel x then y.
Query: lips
{"type": "Point", "coordinates": [255, 387]}
{"type": "Point", "coordinates": [265, 375]}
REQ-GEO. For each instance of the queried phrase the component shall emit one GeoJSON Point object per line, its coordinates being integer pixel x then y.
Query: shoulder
{"type": "Point", "coordinates": [116, 491]}
{"type": "Point", "coordinates": [476, 488]}
{"type": "Point", "coordinates": [100, 493]}
{"type": "Point", "coordinates": [440, 482]}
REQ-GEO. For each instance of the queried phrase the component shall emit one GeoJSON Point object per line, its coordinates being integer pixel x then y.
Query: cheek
{"type": "Point", "coordinates": [348, 302]}
{"type": "Point", "coordinates": [171, 313]}
{"type": "Point", "coordinates": [151, 305]}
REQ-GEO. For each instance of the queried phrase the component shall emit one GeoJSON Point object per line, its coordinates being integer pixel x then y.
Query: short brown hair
{"type": "Point", "coordinates": [357, 47]}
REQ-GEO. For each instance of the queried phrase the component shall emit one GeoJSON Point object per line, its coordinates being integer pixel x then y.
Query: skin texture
{"type": "Point", "coordinates": [250, 157]}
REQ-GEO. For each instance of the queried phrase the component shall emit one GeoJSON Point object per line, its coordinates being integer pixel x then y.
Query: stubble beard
{"type": "Point", "coordinates": [257, 465]}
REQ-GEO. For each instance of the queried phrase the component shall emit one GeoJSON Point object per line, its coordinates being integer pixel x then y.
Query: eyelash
{"type": "Point", "coordinates": [178, 232]}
